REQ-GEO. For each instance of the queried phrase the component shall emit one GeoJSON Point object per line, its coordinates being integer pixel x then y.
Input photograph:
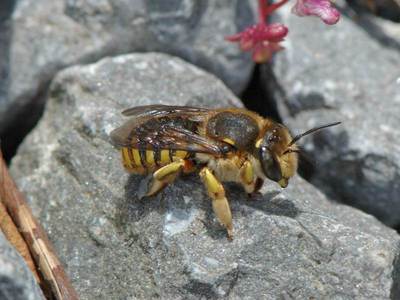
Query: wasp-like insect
{"type": "Point", "coordinates": [222, 144]}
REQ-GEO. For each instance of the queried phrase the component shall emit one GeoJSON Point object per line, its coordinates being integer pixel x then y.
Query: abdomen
{"type": "Point", "coordinates": [146, 161]}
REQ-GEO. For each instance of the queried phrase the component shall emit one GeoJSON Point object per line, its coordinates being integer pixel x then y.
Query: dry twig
{"type": "Point", "coordinates": [35, 236]}
{"type": "Point", "coordinates": [12, 234]}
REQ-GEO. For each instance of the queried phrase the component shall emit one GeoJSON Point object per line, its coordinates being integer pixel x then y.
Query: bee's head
{"type": "Point", "coordinates": [278, 153]}
{"type": "Point", "coordinates": [276, 165]}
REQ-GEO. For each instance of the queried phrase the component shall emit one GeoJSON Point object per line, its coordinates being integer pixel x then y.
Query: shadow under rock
{"type": "Point", "coordinates": [171, 200]}
{"type": "Point", "coordinates": [277, 207]}
{"type": "Point", "coordinates": [6, 9]}
{"type": "Point", "coordinates": [132, 209]}
{"type": "Point", "coordinates": [238, 198]}
{"type": "Point", "coordinates": [201, 290]}
{"type": "Point", "coordinates": [257, 98]}
{"type": "Point", "coordinates": [385, 9]}
{"type": "Point", "coordinates": [176, 198]}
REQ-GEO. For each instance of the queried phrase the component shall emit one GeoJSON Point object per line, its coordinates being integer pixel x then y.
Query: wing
{"type": "Point", "coordinates": [161, 110]}
{"type": "Point", "coordinates": [167, 127]}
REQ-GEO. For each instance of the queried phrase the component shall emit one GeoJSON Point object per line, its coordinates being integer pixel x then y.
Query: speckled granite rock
{"type": "Point", "coordinates": [322, 78]}
{"type": "Point", "coordinates": [290, 243]}
{"type": "Point", "coordinates": [16, 280]}
{"type": "Point", "coordinates": [49, 35]}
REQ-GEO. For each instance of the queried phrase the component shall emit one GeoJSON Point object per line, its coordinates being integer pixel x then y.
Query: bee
{"type": "Point", "coordinates": [227, 144]}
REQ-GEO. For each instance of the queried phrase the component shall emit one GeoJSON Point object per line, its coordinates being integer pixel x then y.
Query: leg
{"type": "Point", "coordinates": [219, 202]}
{"type": "Point", "coordinates": [248, 179]}
{"type": "Point", "coordinates": [163, 176]}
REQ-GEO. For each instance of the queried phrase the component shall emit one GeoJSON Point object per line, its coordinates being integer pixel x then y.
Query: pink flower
{"type": "Point", "coordinates": [320, 8]}
{"type": "Point", "coordinates": [262, 39]}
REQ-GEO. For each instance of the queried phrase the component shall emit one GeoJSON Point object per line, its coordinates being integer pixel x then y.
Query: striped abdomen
{"type": "Point", "coordinates": [144, 161]}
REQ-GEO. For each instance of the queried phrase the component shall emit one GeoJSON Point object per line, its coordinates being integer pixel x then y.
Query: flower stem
{"type": "Point", "coordinates": [262, 7]}
{"type": "Point", "coordinates": [265, 9]}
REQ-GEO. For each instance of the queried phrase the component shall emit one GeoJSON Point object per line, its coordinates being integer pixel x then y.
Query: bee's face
{"type": "Point", "coordinates": [277, 163]}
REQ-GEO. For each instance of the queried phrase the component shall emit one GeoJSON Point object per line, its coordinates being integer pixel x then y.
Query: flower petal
{"type": "Point", "coordinates": [320, 8]}
{"type": "Point", "coordinates": [246, 44]}
{"type": "Point", "coordinates": [276, 32]}
{"type": "Point", "coordinates": [263, 39]}
{"type": "Point", "coordinates": [234, 38]}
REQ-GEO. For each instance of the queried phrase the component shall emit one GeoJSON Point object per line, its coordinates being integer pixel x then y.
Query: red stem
{"type": "Point", "coordinates": [265, 9]}
{"type": "Point", "coordinates": [262, 7]}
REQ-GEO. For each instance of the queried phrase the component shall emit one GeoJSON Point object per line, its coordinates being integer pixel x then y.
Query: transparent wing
{"type": "Point", "coordinates": [161, 110]}
{"type": "Point", "coordinates": [166, 127]}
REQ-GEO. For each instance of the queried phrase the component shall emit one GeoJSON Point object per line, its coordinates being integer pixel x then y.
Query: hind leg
{"type": "Point", "coordinates": [219, 202]}
{"type": "Point", "coordinates": [163, 176]}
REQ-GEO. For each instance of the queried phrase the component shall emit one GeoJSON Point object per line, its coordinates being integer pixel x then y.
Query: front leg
{"type": "Point", "coordinates": [219, 202]}
{"type": "Point", "coordinates": [250, 182]}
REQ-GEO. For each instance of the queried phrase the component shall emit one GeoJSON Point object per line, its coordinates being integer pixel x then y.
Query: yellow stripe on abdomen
{"type": "Point", "coordinates": [126, 159]}
{"type": "Point", "coordinates": [131, 160]}
{"type": "Point", "coordinates": [164, 157]}
{"type": "Point", "coordinates": [135, 160]}
{"type": "Point", "coordinates": [150, 157]}
{"type": "Point", "coordinates": [136, 157]}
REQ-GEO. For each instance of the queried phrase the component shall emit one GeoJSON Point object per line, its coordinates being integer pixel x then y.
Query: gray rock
{"type": "Point", "coordinates": [16, 280]}
{"type": "Point", "coordinates": [49, 35]}
{"type": "Point", "coordinates": [322, 77]}
{"type": "Point", "coordinates": [6, 7]}
{"type": "Point", "coordinates": [5, 36]}
{"type": "Point", "coordinates": [290, 243]}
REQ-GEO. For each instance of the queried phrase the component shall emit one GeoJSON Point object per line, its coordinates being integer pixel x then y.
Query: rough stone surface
{"type": "Point", "coordinates": [49, 35]}
{"type": "Point", "coordinates": [289, 244]}
{"type": "Point", "coordinates": [16, 280]}
{"type": "Point", "coordinates": [321, 77]}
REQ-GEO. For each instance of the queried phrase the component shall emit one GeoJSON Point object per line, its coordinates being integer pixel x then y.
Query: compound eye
{"type": "Point", "coordinates": [269, 165]}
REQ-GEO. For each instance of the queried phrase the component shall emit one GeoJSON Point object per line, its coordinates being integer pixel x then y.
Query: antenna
{"type": "Point", "coordinates": [299, 136]}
